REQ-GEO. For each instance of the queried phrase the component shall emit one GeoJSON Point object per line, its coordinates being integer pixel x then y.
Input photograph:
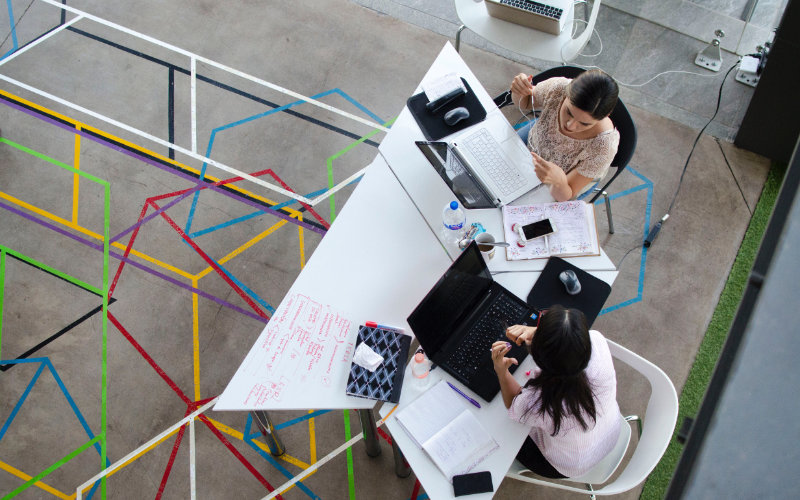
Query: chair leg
{"type": "Point", "coordinates": [638, 420]}
{"type": "Point", "coordinates": [608, 212]}
{"type": "Point", "coordinates": [458, 37]}
{"type": "Point", "coordinates": [591, 491]}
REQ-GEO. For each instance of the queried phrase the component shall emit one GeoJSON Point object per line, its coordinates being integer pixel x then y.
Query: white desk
{"type": "Point", "coordinates": [365, 269]}
{"type": "Point", "coordinates": [430, 193]}
{"type": "Point", "coordinates": [524, 40]}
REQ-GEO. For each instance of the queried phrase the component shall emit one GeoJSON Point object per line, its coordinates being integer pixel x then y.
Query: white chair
{"type": "Point", "coordinates": [654, 436]}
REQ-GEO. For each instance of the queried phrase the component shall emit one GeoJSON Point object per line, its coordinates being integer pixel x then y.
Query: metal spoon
{"type": "Point", "coordinates": [464, 243]}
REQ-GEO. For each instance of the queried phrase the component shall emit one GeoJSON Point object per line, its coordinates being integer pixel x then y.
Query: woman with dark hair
{"type": "Point", "coordinates": [570, 401]}
{"type": "Point", "coordinates": [573, 141]}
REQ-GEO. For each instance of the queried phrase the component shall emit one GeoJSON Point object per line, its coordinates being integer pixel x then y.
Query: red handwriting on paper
{"type": "Point", "coordinates": [348, 353]}
{"type": "Point", "coordinates": [342, 328]}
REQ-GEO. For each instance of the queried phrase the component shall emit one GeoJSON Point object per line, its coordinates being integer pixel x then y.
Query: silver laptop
{"type": "Point", "coordinates": [550, 16]}
{"type": "Point", "coordinates": [486, 166]}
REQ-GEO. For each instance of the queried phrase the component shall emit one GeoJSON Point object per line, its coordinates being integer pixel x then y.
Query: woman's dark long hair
{"type": "Point", "coordinates": [561, 347]}
{"type": "Point", "coordinates": [595, 92]}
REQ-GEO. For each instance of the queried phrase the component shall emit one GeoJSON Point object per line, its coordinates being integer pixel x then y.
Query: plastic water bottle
{"type": "Point", "coordinates": [421, 369]}
{"type": "Point", "coordinates": [454, 219]}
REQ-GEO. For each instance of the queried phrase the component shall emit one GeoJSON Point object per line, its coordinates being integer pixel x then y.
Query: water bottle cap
{"type": "Point", "coordinates": [419, 357]}
{"type": "Point", "coordinates": [453, 205]}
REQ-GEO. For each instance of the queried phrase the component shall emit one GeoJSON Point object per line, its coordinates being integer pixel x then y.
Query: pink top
{"type": "Point", "coordinates": [591, 157]}
{"type": "Point", "coordinates": [574, 451]}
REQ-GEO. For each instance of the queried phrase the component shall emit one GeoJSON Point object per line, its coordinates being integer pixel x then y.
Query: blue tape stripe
{"type": "Point", "coordinates": [21, 401]}
{"type": "Point", "coordinates": [300, 419]}
{"type": "Point", "coordinates": [359, 106]}
{"type": "Point", "coordinates": [13, 25]}
{"type": "Point", "coordinates": [231, 125]}
{"type": "Point", "coordinates": [647, 184]}
{"type": "Point", "coordinates": [75, 409]}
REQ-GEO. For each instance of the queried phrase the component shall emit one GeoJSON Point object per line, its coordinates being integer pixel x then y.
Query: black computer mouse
{"type": "Point", "coordinates": [456, 115]}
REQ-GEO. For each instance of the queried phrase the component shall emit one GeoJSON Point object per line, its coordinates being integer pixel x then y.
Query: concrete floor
{"type": "Point", "coordinates": [167, 347]}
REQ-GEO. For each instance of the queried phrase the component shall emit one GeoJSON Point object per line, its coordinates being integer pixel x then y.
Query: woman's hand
{"type": "Point", "coordinates": [520, 333]}
{"type": "Point", "coordinates": [499, 359]}
{"type": "Point", "coordinates": [552, 175]}
{"type": "Point", "coordinates": [521, 88]}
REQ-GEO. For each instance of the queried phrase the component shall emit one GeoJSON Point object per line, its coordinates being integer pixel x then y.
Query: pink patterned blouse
{"type": "Point", "coordinates": [590, 157]}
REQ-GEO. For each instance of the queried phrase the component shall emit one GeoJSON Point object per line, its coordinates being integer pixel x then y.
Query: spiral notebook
{"type": "Point", "coordinates": [385, 383]}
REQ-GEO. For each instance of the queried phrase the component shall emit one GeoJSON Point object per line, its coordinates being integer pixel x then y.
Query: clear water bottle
{"type": "Point", "coordinates": [421, 369]}
{"type": "Point", "coordinates": [454, 219]}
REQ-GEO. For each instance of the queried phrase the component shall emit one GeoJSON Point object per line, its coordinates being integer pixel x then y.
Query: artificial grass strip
{"type": "Point", "coordinates": [710, 348]}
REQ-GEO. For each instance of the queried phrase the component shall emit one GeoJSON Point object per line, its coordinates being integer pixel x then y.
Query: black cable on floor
{"type": "Point", "coordinates": [744, 198]}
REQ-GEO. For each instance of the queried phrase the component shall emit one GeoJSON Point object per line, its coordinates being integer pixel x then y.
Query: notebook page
{"type": "Point", "coordinates": [460, 445]}
{"type": "Point", "coordinates": [430, 412]}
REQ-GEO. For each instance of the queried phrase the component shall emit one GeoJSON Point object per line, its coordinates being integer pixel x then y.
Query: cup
{"type": "Point", "coordinates": [486, 250]}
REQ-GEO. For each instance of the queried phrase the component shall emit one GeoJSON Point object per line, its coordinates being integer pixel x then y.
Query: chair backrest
{"type": "Point", "coordinates": [658, 425]}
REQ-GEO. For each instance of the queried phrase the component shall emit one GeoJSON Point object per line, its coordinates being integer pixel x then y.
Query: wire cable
{"type": "Point", "coordinates": [691, 152]}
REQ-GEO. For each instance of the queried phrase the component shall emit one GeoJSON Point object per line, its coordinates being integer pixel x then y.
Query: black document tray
{"type": "Point", "coordinates": [433, 125]}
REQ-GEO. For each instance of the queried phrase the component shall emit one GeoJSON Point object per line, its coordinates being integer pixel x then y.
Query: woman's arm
{"type": "Point", "coordinates": [563, 187]}
{"type": "Point", "coordinates": [509, 387]}
{"type": "Point", "coordinates": [522, 90]}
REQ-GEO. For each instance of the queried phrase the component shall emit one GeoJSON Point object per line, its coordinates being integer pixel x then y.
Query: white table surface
{"type": "Point", "coordinates": [431, 194]}
{"type": "Point", "coordinates": [521, 39]}
{"type": "Point", "coordinates": [363, 268]}
{"type": "Point", "coordinates": [493, 416]}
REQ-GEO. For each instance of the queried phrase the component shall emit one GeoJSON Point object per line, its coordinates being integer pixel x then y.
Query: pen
{"type": "Point", "coordinates": [465, 396]}
{"type": "Point", "coordinates": [372, 324]}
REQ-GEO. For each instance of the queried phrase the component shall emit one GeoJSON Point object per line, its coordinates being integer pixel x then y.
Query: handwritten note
{"type": "Point", "coordinates": [304, 347]}
{"type": "Point", "coordinates": [576, 233]}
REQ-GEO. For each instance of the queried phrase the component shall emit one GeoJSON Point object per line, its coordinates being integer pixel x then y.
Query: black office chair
{"type": "Point", "coordinates": [622, 121]}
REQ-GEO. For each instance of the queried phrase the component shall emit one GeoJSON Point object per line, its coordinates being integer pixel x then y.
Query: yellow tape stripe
{"type": "Point", "coordinates": [76, 179]}
{"type": "Point", "coordinates": [136, 147]}
{"type": "Point", "coordinates": [242, 248]}
{"type": "Point", "coordinates": [301, 243]}
{"type": "Point", "coordinates": [92, 234]}
{"type": "Point", "coordinates": [312, 439]}
{"type": "Point", "coordinates": [196, 342]}
{"type": "Point", "coordinates": [25, 477]}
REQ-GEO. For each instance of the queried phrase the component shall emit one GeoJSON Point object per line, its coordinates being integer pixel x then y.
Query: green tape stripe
{"type": "Point", "coordinates": [351, 480]}
{"type": "Point", "coordinates": [53, 161]}
{"type": "Point", "coordinates": [104, 364]}
{"type": "Point", "coordinates": [2, 289]}
{"type": "Point", "coordinates": [50, 469]}
{"type": "Point", "coordinates": [52, 270]}
{"type": "Point", "coordinates": [329, 162]}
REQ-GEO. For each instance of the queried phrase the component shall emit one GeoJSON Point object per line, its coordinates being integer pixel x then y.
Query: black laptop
{"type": "Point", "coordinates": [462, 316]}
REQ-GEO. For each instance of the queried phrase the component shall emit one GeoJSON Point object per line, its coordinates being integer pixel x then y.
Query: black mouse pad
{"type": "Point", "coordinates": [549, 290]}
{"type": "Point", "coordinates": [433, 125]}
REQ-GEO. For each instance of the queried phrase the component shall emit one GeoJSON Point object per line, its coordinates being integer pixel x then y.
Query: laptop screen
{"type": "Point", "coordinates": [454, 295]}
{"type": "Point", "coordinates": [460, 181]}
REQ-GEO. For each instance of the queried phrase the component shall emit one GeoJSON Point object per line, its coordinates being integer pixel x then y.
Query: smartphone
{"type": "Point", "coordinates": [476, 482]}
{"type": "Point", "coordinates": [538, 229]}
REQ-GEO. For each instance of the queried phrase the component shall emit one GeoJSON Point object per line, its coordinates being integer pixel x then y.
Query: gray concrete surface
{"type": "Point", "coordinates": [309, 47]}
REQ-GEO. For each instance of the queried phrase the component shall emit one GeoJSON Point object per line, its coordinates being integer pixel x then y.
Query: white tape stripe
{"type": "Point", "coordinates": [119, 463]}
{"type": "Point", "coordinates": [42, 39]}
{"type": "Point", "coordinates": [337, 187]}
{"type": "Point", "coordinates": [180, 149]}
{"type": "Point", "coordinates": [192, 470]}
{"type": "Point", "coordinates": [218, 65]}
{"type": "Point", "coordinates": [194, 105]}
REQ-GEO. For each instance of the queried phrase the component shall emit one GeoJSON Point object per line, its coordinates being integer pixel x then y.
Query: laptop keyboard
{"type": "Point", "coordinates": [535, 7]}
{"type": "Point", "coordinates": [485, 149]}
{"type": "Point", "coordinates": [476, 344]}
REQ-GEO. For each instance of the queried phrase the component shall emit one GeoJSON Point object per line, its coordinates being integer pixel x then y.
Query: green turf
{"type": "Point", "coordinates": [693, 391]}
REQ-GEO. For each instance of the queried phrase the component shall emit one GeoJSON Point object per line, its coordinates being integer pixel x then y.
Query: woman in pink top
{"type": "Point", "coordinates": [573, 141]}
{"type": "Point", "coordinates": [570, 401]}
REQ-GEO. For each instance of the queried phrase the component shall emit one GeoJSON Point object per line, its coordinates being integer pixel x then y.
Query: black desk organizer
{"type": "Point", "coordinates": [433, 125]}
{"type": "Point", "coordinates": [549, 290]}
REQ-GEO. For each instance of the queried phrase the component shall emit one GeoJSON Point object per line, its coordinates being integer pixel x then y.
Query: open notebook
{"type": "Point", "coordinates": [440, 423]}
{"type": "Point", "coordinates": [576, 232]}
